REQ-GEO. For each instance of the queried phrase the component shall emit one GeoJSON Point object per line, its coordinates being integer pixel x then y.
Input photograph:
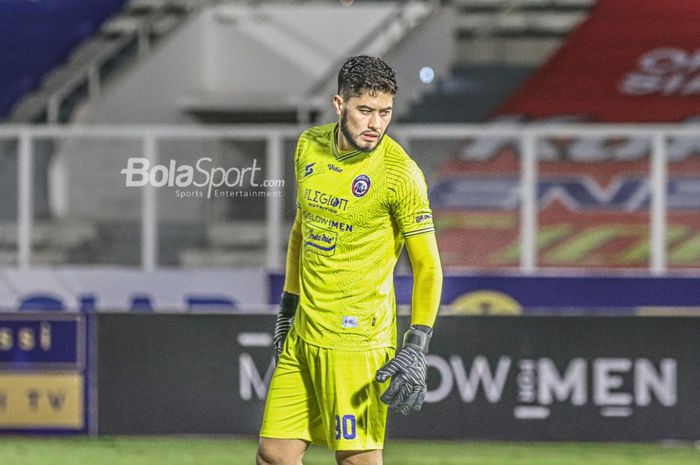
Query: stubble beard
{"type": "Point", "coordinates": [351, 140]}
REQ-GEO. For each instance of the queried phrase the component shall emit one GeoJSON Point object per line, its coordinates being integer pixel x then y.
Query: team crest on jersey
{"type": "Point", "coordinates": [361, 185]}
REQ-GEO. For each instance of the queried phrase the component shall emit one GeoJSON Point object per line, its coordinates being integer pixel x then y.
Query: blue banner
{"type": "Point", "coordinates": [28, 342]}
{"type": "Point", "coordinates": [504, 294]}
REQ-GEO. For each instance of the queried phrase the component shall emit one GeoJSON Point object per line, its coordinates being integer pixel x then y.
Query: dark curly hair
{"type": "Point", "coordinates": [365, 74]}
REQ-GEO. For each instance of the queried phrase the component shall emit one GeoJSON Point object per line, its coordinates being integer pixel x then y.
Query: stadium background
{"type": "Point", "coordinates": [558, 139]}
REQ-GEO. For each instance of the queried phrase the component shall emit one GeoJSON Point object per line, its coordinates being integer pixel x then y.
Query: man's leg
{"type": "Point", "coordinates": [292, 419]}
{"type": "Point", "coordinates": [280, 451]}
{"type": "Point", "coordinates": [358, 457]}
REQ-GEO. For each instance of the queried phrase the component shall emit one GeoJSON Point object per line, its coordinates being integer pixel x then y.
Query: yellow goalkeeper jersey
{"type": "Point", "coordinates": [356, 209]}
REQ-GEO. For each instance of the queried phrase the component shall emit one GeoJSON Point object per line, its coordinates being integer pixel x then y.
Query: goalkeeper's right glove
{"type": "Point", "coordinates": [285, 318]}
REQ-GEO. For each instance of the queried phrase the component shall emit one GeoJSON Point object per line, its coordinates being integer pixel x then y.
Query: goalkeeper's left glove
{"type": "Point", "coordinates": [285, 319]}
{"type": "Point", "coordinates": [407, 371]}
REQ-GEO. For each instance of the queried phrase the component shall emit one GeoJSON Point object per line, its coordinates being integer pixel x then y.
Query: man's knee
{"type": "Point", "coordinates": [280, 452]}
{"type": "Point", "coordinates": [268, 456]}
{"type": "Point", "coordinates": [260, 459]}
{"type": "Point", "coordinates": [265, 458]}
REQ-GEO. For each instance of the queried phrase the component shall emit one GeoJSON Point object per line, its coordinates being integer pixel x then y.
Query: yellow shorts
{"type": "Point", "coordinates": [328, 397]}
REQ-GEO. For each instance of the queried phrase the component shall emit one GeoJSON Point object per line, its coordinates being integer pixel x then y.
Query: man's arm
{"type": "Point", "coordinates": [291, 277]}
{"type": "Point", "coordinates": [290, 293]}
{"type": "Point", "coordinates": [408, 369]}
{"type": "Point", "coordinates": [427, 278]}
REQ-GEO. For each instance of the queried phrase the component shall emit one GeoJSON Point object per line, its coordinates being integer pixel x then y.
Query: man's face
{"type": "Point", "coordinates": [363, 120]}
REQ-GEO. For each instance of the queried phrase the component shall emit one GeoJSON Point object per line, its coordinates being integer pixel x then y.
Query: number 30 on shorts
{"type": "Point", "coordinates": [345, 426]}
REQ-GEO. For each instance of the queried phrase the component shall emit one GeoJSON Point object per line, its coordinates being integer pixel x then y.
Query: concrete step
{"type": "Point", "coordinates": [50, 257]}
{"type": "Point", "coordinates": [61, 235]}
{"type": "Point", "coordinates": [216, 257]}
{"type": "Point", "coordinates": [240, 234]}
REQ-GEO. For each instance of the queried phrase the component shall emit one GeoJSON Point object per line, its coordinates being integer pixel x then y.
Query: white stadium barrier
{"type": "Point", "coordinates": [166, 150]}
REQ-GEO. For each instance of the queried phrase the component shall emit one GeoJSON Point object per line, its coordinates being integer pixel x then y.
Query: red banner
{"type": "Point", "coordinates": [631, 61]}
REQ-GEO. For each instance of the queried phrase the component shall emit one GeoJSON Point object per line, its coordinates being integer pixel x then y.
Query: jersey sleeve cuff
{"type": "Point", "coordinates": [419, 232]}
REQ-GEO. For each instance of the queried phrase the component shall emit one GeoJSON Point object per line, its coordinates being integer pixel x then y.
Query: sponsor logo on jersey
{"type": "Point", "coordinates": [320, 241]}
{"type": "Point", "coordinates": [350, 322]}
{"type": "Point", "coordinates": [332, 167]}
{"type": "Point", "coordinates": [308, 169]}
{"type": "Point", "coordinates": [361, 185]}
{"type": "Point", "coordinates": [424, 217]}
{"type": "Point", "coordinates": [325, 200]}
{"type": "Point", "coordinates": [327, 222]}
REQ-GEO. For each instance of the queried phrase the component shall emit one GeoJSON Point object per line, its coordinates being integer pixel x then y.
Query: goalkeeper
{"type": "Point", "coordinates": [360, 199]}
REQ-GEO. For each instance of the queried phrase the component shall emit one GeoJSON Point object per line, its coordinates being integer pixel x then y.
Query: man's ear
{"type": "Point", "coordinates": [338, 104]}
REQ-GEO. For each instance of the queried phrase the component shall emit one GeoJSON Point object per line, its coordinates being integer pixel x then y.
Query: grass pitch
{"type": "Point", "coordinates": [210, 451]}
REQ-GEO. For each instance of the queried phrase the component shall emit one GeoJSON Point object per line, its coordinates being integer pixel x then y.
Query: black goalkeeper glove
{"type": "Point", "coordinates": [407, 371]}
{"type": "Point", "coordinates": [285, 318]}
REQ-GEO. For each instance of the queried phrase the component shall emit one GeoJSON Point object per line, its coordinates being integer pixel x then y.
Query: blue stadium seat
{"type": "Point", "coordinates": [38, 35]}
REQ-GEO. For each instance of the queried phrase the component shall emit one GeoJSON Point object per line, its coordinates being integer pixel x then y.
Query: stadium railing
{"type": "Point", "coordinates": [525, 139]}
